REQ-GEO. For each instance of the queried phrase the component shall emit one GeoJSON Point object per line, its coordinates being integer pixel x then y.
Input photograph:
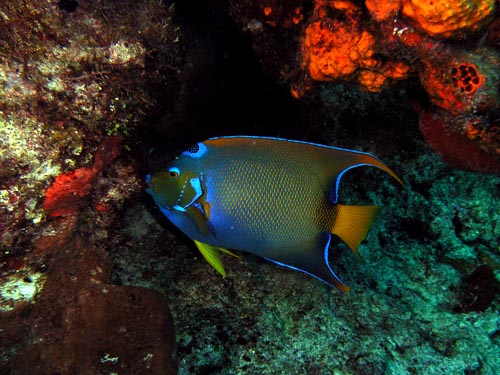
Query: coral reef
{"type": "Point", "coordinates": [451, 46]}
{"type": "Point", "coordinates": [69, 77]}
{"type": "Point", "coordinates": [342, 48]}
{"type": "Point", "coordinates": [87, 262]}
{"type": "Point", "coordinates": [443, 133]}
{"type": "Point", "coordinates": [382, 10]}
{"type": "Point", "coordinates": [66, 196]}
{"type": "Point", "coordinates": [463, 81]}
{"type": "Point", "coordinates": [463, 84]}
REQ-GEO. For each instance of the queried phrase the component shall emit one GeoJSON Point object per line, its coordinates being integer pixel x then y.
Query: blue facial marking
{"type": "Point", "coordinates": [196, 185]}
{"type": "Point", "coordinates": [196, 151]}
{"type": "Point", "coordinates": [174, 170]}
{"type": "Point", "coordinates": [179, 208]}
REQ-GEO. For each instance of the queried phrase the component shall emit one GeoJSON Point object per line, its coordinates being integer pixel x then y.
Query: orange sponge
{"type": "Point", "coordinates": [336, 45]}
{"type": "Point", "coordinates": [333, 49]}
{"type": "Point", "coordinates": [446, 18]}
{"type": "Point", "coordinates": [382, 10]}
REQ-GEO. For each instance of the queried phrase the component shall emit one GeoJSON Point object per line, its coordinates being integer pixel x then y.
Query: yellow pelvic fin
{"type": "Point", "coordinates": [353, 222]}
{"type": "Point", "coordinates": [212, 255]}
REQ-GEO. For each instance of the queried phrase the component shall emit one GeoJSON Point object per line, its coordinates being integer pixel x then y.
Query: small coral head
{"type": "Point", "coordinates": [466, 78]}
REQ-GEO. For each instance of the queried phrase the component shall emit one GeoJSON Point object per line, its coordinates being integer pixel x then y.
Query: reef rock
{"type": "Point", "coordinates": [78, 324]}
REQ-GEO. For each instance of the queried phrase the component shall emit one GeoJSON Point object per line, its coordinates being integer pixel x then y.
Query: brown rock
{"type": "Point", "coordinates": [122, 329]}
{"type": "Point", "coordinates": [81, 325]}
{"type": "Point", "coordinates": [109, 329]}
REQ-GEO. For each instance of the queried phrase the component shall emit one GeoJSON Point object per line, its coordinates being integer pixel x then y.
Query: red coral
{"type": "Point", "coordinates": [66, 195]}
{"type": "Point", "coordinates": [449, 85]}
{"type": "Point", "coordinates": [68, 192]}
{"type": "Point", "coordinates": [446, 136]}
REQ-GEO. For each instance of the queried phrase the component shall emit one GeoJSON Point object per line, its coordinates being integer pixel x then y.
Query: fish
{"type": "Point", "coordinates": [272, 197]}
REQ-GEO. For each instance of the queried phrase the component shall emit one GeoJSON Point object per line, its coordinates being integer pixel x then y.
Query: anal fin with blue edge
{"type": "Point", "coordinates": [311, 259]}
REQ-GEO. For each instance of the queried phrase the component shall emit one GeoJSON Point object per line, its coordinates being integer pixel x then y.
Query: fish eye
{"type": "Point", "coordinates": [174, 172]}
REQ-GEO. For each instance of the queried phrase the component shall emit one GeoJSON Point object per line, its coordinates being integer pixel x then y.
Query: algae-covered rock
{"type": "Point", "coordinates": [72, 73]}
{"type": "Point", "coordinates": [77, 85]}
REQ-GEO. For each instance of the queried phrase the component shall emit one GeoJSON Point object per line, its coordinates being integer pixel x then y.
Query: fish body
{"type": "Point", "coordinates": [272, 197]}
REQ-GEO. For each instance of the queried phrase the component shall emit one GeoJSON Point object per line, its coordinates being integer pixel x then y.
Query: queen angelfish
{"type": "Point", "coordinates": [271, 197]}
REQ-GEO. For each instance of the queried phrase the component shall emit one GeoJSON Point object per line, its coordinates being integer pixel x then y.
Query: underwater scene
{"type": "Point", "coordinates": [250, 187]}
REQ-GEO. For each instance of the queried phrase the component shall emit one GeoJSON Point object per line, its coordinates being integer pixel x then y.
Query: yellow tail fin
{"type": "Point", "coordinates": [353, 222]}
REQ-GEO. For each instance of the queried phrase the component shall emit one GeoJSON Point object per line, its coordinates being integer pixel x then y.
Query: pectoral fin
{"type": "Point", "coordinates": [199, 218]}
{"type": "Point", "coordinates": [197, 207]}
{"type": "Point", "coordinates": [212, 255]}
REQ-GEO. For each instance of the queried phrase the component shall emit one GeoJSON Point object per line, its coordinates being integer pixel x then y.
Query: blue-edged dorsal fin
{"type": "Point", "coordinates": [332, 163]}
{"type": "Point", "coordinates": [329, 163]}
{"type": "Point", "coordinates": [212, 255]}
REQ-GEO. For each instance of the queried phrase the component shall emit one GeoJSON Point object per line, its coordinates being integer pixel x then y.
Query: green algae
{"type": "Point", "coordinates": [20, 287]}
